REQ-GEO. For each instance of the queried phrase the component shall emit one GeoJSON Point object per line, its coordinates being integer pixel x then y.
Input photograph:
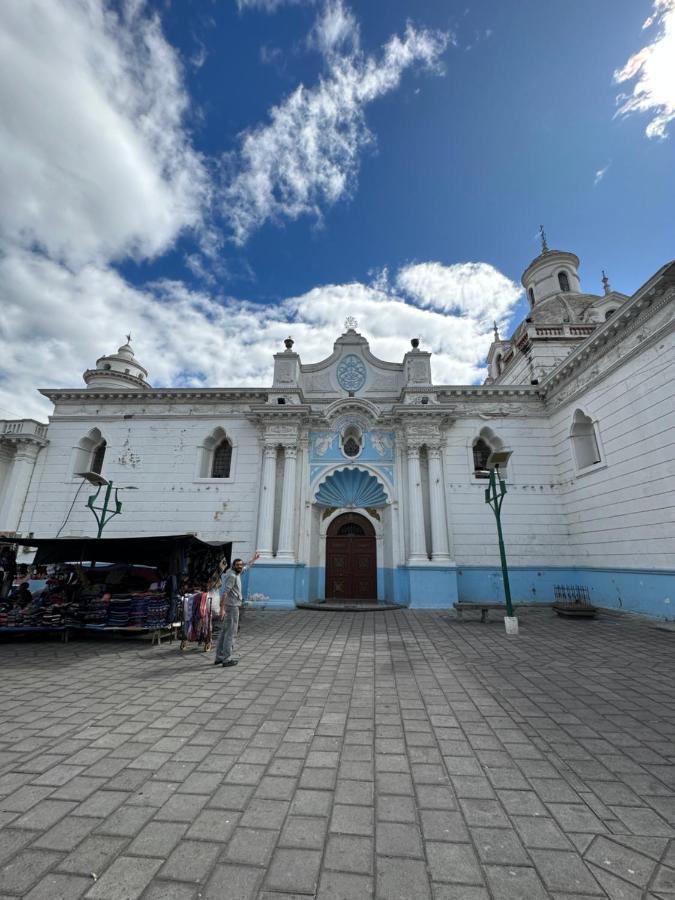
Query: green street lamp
{"type": "Point", "coordinates": [104, 513]}
{"type": "Point", "coordinates": [494, 497]}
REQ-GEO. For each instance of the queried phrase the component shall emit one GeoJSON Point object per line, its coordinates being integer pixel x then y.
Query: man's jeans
{"type": "Point", "coordinates": [228, 633]}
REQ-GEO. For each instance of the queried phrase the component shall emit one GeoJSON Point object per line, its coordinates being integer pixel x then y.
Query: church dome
{"type": "Point", "coordinates": [552, 273]}
{"type": "Point", "coordinates": [118, 371]}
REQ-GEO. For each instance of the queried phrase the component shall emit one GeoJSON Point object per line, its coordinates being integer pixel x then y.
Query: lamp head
{"type": "Point", "coordinates": [498, 458]}
{"type": "Point", "coordinates": [92, 478]}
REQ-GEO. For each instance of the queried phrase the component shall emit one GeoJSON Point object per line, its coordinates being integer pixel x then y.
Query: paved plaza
{"type": "Point", "coordinates": [399, 755]}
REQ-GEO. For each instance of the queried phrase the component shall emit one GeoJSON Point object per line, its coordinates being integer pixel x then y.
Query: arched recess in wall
{"type": "Point", "coordinates": [564, 282]}
{"type": "Point", "coordinates": [216, 455]}
{"type": "Point", "coordinates": [584, 437]}
{"type": "Point", "coordinates": [90, 453]}
{"type": "Point", "coordinates": [482, 446]}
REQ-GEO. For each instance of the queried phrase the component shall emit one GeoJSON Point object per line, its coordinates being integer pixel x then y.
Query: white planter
{"type": "Point", "coordinates": [511, 624]}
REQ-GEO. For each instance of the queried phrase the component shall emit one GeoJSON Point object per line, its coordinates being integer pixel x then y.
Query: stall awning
{"type": "Point", "coordinates": [156, 550]}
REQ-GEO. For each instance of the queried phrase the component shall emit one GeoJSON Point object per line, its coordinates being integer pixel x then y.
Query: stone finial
{"type": "Point", "coordinates": [351, 324]}
{"type": "Point", "coordinates": [288, 343]}
{"type": "Point", "coordinates": [415, 342]}
{"type": "Point", "coordinates": [496, 331]}
{"type": "Point", "coordinates": [542, 234]}
{"type": "Point", "coordinates": [605, 283]}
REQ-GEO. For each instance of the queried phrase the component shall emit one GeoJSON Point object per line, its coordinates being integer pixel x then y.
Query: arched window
{"type": "Point", "coordinates": [222, 460]}
{"type": "Point", "coordinates": [351, 529]}
{"type": "Point", "coordinates": [97, 458]}
{"type": "Point", "coordinates": [481, 452]}
{"type": "Point", "coordinates": [216, 455]}
{"type": "Point", "coordinates": [584, 441]}
{"type": "Point", "coordinates": [352, 441]}
{"type": "Point", "coordinates": [564, 282]}
{"type": "Point", "coordinates": [89, 453]}
{"type": "Point", "coordinates": [485, 443]}
{"type": "Point", "coordinates": [530, 294]}
{"type": "Point", "coordinates": [610, 312]}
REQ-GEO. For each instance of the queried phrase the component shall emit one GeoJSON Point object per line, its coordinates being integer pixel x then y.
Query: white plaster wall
{"type": "Point", "coordinates": [160, 456]}
{"type": "Point", "coordinates": [622, 514]}
{"type": "Point", "coordinates": [533, 520]}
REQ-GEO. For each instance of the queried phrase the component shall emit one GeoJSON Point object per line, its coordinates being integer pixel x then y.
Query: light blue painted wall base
{"type": "Point", "coordinates": [650, 593]}
{"type": "Point", "coordinates": [644, 591]}
{"type": "Point", "coordinates": [285, 584]}
{"type": "Point", "coordinates": [431, 587]}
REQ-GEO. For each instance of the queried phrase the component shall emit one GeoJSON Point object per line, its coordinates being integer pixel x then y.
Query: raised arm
{"type": "Point", "coordinates": [253, 559]}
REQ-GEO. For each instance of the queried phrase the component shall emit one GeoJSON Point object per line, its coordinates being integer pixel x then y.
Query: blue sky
{"type": "Point", "coordinates": [214, 175]}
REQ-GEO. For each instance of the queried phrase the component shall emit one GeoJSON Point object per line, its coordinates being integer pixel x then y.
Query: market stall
{"type": "Point", "coordinates": [131, 585]}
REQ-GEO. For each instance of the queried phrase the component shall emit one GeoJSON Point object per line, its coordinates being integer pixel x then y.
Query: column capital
{"type": "Point", "coordinates": [290, 451]}
{"type": "Point", "coordinates": [269, 450]}
{"type": "Point", "coordinates": [413, 451]}
{"type": "Point", "coordinates": [434, 451]}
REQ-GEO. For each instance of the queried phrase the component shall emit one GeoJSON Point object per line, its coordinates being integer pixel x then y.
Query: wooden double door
{"type": "Point", "coordinates": [351, 559]}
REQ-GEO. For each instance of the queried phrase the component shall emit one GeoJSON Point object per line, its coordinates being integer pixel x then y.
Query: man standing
{"type": "Point", "coordinates": [230, 602]}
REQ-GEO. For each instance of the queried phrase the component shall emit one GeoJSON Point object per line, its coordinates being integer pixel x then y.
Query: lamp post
{"type": "Point", "coordinates": [494, 497]}
{"type": "Point", "coordinates": [103, 514]}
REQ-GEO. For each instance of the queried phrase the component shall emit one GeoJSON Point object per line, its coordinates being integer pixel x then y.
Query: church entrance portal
{"type": "Point", "coordinates": [351, 559]}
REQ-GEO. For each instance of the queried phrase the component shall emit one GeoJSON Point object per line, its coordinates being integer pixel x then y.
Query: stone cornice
{"type": "Point", "coordinates": [157, 395]}
{"type": "Point", "coordinates": [634, 315]}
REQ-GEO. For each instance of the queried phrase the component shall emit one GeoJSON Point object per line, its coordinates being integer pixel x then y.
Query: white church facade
{"type": "Point", "coordinates": [359, 478]}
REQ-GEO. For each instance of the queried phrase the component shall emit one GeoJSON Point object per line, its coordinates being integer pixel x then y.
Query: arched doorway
{"type": "Point", "coordinates": [351, 559]}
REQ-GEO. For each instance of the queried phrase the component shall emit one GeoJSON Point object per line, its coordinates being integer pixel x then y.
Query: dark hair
{"type": "Point", "coordinates": [235, 561]}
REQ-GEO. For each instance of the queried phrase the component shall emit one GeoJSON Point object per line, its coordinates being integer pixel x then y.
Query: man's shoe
{"type": "Point", "coordinates": [217, 663]}
{"type": "Point", "coordinates": [230, 662]}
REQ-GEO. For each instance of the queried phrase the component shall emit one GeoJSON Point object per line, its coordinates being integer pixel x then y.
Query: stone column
{"type": "Point", "coordinates": [418, 549]}
{"type": "Point", "coordinates": [287, 523]}
{"type": "Point", "coordinates": [266, 511]}
{"type": "Point", "coordinates": [440, 549]}
{"type": "Point", "coordinates": [18, 482]}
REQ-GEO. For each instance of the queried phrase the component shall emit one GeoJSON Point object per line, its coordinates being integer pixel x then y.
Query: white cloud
{"type": "Point", "coordinates": [57, 322]}
{"type": "Point", "coordinates": [653, 69]}
{"type": "Point", "coordinates": [600, 174]}
{"type": "Point", "coordinates": [270, 6]}
{"type": "Point", "coordinates": [95, 160]}
{"type": "Point", "coordinates": [475, 290]}
{"type": "Point", "coordinates": [335, 28]}
{"type": "Point", "coordinates": [307, 156]}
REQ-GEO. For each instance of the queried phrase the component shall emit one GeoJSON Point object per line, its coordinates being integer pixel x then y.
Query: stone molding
{"type": "Point", "coordinates": [610, 347]}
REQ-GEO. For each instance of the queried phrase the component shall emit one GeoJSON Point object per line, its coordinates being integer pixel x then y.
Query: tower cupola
{"type": "Point", "coordinates": [118, 371]}
{"type": "Point", "coordinates": [553, 272]}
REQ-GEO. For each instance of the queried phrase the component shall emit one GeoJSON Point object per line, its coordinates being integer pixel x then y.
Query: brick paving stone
{"type": "Point", "coordinates": [400, 840]}
{"type": "Point", "coordinates": [93, 855]}
{"type": "Point", "coordinates": [515, 883]}
{"type": "Point", "coordinates": [343, 886]}
{"type": "Point", "coordinates": [57, 886]}
{"type": "Point", "coordinates": [250, 846]}
{"type": "Point", "coordinates": [126, 879]}
{"type": "Point", "coordinates": [181, 808]}
{"type": "Point", "coordinates": [45, 814]}
{"type": "Point", "coordinates": [171, 890]}
{"type": "Point", "coordinates": [349, 853]}
{"type": "Point", "coordinates": [23, 870]}
{"type": "Point", "coordinates": [564, 871]}
{"type": "Point", "coordinates": [157, 839]}
{"type": "Point", "coordinates": [67, 833]}
{"type": "Point", "coordinates": [453, 862]}
{"type": "Point", "coordinates": [294, 870]}
{"type": "Point", "coordinates": [401, 879]}
{"type": "Point", "coordinates": [12, 840]}
{"type": "Point", "coordinates": [307, 832]}
{"type": "Point", "coordinates": [191, 861]}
